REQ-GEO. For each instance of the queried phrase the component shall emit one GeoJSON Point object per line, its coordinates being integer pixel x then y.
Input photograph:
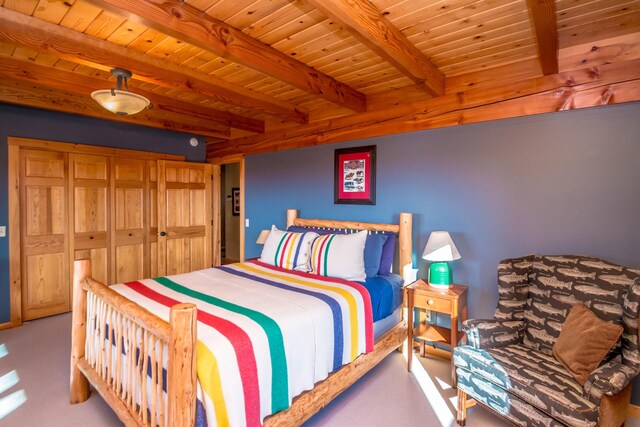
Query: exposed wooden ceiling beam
{"type": "Point", "coordinates": [163, 107]}
{"type": "Point", "coordinates": [42, 36]}
{"type": "Point", "coordinates": [506, 74]}
{"type": "Point", "coordinates": [613, 83]}
{"type": "Point", "coordinates": [365, 22]}
{"type": "Point", "coordinates": [543, 19]}
{"type": "Point", "coordinates": [184, 22]}
{"type": "Point", "coordinates": [33, 95]}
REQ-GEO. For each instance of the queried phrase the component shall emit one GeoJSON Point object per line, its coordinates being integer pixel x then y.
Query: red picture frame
{"type": "Point", "coordinates": [355, 176]}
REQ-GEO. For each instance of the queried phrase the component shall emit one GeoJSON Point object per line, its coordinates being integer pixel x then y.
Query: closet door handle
{"type": "Point", "coordinates": [162, 233]}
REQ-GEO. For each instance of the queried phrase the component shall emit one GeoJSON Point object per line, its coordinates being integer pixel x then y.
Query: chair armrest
{"type": "Point", "coordinates": [490, 333]}
{"type": "Point", "coordinates": [610, 379]}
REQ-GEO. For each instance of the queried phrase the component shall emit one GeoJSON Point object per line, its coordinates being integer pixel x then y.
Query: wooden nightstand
{"type": "Point", "coordinates": [452, 301]}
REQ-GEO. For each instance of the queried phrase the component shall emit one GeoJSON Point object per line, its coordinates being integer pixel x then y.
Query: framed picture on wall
{"type": "Point", "coordinates": [235, 201]}
{"type": "Point", "coordinates": [355, 176]}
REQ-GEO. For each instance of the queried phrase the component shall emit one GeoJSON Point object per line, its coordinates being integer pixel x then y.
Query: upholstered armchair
{"type": "Point", "coordinates": [509, 364]}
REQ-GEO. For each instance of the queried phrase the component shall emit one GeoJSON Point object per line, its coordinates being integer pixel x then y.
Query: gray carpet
{"type": "Point", "coordinates": [386, 396]}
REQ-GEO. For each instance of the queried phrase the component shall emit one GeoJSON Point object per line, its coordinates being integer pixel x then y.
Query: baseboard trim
{"type": "Point", "coordinates": [5, 325]}
{"type": "Point", "coordinates": [634, 411]}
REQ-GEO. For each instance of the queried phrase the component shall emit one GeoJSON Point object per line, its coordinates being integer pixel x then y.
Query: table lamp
{"type": "Point", "coordinates": [439, 250]}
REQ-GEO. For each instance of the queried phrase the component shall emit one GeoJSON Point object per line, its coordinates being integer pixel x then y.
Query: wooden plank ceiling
{"type": "Point", "coordinates": [262, 75]}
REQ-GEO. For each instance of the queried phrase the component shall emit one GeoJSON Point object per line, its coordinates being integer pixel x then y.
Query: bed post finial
{"type": "Point", "coordinates": [78, 384]}
{"type": "Point", "coordinates": [292, 214]}
{"type": "Point", "coordinates": [406, 256]}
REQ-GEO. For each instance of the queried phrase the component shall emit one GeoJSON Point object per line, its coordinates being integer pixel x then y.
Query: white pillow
{"type": "Point", "coordinates": [287, 249]}
{"type": "Point", "coordinates": [339, 255]}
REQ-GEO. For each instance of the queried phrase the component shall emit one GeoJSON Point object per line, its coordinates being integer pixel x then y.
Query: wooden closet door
{"type": "Point", "coordinates": [129, 220]}
{"type": "Point", "coordinates": [44, 255]}
{"type": "Point", "coordinates": [184, 215]}
{"type": "Point", "coordinates": [91, 213]}
{"type": "Point", "coordinates": [152, 208]}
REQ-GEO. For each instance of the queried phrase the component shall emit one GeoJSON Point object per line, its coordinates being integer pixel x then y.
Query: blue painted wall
{"type": "Point", "coordinates": [556, 183]}
{"type": "Point", "coordinates": [39, 124]}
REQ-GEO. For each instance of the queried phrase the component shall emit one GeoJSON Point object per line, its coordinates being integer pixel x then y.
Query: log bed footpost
{"type": "Point", "coordinates": [78, 384]}
{"type": "Point", "coordinates": [181, 375]}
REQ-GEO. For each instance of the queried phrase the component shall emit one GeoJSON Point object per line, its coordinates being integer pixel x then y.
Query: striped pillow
{"type": "Point", "coordinates": [339, 255]}
{"type": "Point", "coordinates": [287, 250]}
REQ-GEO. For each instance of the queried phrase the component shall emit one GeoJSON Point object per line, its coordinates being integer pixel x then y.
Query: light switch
{"type": "Point", "coordinates": [246, 222]}
{"type": "Point", "coordinates": [3, 231]}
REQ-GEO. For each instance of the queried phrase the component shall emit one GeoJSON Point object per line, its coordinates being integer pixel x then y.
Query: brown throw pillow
{"type": "Point", "coordinates": [584, 341]}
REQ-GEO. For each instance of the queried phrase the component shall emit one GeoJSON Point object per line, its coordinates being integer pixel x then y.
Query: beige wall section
{"type": "Point", "coordinates": [232, 222]}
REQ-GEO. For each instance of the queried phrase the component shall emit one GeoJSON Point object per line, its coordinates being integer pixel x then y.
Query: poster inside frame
{"type": "Point", "coordinates": [235, 201]}
{"type": "Point", "coordinates": [355, 176]}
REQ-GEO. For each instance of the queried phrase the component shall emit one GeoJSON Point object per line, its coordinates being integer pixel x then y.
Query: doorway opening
{"type": "Point", "coordinates": [230, 213]}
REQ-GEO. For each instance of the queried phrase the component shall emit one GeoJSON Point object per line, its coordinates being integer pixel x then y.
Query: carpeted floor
{"type": "Point", "coordinates": [386, 396]}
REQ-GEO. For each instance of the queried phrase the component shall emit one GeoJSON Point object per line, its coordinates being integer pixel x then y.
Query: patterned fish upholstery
{"type": "Point", "coordinates": [513, 287]}
{"type": "Point", "coordinates": [509, 365]}
{"type": "Point", "coordinates": [613, 376]}
{"type": "Point", "coordinates": [498, 377]}
{"type": "Point", "coordinates": [507, 327]}
{"type": "Point", "coordinates": [631, 320]}
{"type": "Point", "coordinates": [557, 283]}
{"type": "Point", "coordinates": [610, 378]}
{"type": "Point", "coordinates": [490, 333]}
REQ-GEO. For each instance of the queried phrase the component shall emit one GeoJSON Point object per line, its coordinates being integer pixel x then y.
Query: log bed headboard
{"type": "Point", "coordinates": [403, 229]}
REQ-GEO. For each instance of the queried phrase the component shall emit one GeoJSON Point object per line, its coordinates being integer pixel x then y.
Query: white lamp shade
{"type": "Point", "coordinates": [440, 247]}
{"type": "Point", "coordinates": [120, 102]}
{"type": "Point", "coordinates": [262, 238]}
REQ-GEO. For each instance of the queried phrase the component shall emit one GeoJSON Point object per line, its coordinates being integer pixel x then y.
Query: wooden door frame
{"type": "Point", "coordinates": [15, 276]}
{"type": "Point", "coordinates": [217, 206]}
{"type": "Point", "coordinates": [14, 144]}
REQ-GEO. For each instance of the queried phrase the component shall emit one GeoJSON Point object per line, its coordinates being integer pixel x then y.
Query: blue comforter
{"type": "Point", "coordinates": [386, 294]}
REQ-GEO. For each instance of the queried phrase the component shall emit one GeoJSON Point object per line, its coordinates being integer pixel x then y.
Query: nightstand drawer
{"type": "Point", "coordinates": [440, 305]}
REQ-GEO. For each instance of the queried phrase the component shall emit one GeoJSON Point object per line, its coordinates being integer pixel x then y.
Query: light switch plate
{"type": "Point", "coordinates": [246, 222]}
{"type": "Point", "coordinates": [3, 231]}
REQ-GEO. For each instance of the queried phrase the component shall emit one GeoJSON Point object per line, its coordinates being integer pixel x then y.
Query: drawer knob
{"type": "Point", "coordinates": [430, 302]}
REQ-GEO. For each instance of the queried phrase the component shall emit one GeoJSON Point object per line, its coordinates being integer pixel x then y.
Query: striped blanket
{"type": "Point", "coordinates": [265, 334]}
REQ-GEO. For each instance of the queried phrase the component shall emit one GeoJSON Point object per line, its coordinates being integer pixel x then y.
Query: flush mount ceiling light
{"type": "Point", "coordinates": [119, 101]}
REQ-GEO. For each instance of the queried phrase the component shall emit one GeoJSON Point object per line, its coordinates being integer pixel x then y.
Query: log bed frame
{"type": "Point", "coordinates": [177, 338]}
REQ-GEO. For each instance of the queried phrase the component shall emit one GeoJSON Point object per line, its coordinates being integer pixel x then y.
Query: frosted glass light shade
{"type": "Point", "coordinates": [120, 102]}
{"type": "Point", "coordinates": [440, 247]}
{"type": "Point", "coordinates": [262, 238]}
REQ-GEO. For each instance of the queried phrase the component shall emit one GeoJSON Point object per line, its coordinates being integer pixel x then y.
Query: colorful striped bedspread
{"type": "Point", "coordinates": [264, 334]}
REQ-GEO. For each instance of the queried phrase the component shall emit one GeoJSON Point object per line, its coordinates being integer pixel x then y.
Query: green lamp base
{"type": "Point", "coordinates": [440, 275]}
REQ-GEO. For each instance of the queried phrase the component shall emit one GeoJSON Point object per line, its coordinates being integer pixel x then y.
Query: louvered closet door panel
{"type": "Point", "coordinates": [184, 213]}
{"type": "Point", "coordinates": [129, 227]}
{"type": "Point", "coordinates": [44, 263]}
{"type": "Point", "coordinates": [91, 212]}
